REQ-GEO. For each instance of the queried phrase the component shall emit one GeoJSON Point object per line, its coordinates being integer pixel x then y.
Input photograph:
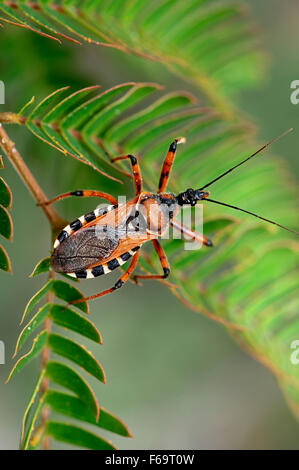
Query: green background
{"type": "Point", "coordinates": [176, 378]}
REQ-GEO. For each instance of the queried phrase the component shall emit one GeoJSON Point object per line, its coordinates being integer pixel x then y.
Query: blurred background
{"type": "Point", "coordinates": [177, 379]}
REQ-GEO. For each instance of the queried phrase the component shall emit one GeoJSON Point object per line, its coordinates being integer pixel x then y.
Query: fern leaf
{"type": "Point", "coordinates": [6, 224]}
{"type": "Point", "coordinates": [82, 405]}
{"type": "Point", "coordinates": [211, 43]}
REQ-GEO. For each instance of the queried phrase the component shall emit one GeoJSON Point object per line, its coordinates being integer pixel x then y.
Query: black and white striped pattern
{"type": "Point", "coordinates": [80, 222]}
{"type": "Point", "coordinates": [106, 267]}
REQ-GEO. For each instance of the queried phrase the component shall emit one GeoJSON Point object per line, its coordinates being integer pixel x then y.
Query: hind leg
{"type": "Point", "coordinates": [82, 193]}
{"type": "Point", "coordinates": [124, 278]}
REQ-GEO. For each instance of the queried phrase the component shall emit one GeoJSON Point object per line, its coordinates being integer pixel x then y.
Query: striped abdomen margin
{"type": "Point", "coordinates": [78, 223]}
{"type": "Point", "coordinates": [105, 268]}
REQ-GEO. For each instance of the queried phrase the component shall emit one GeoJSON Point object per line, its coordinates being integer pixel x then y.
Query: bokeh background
{"type": "Point", "coordinates": [177, 379]}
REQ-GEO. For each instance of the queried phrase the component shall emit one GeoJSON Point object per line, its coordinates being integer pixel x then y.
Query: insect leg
{"type": "Point", "coordinates": [163, 261]}
{"type": "Point", "coordinates": [82, 193]}
{"type": "Point", "coordinates": [135, 169]}
{"type": "Point", "coordinates": [191, 234]}
{"type": "Point", "coordinates": [117, 285]}
{"type": "Point", "coordinates": [168, 163]}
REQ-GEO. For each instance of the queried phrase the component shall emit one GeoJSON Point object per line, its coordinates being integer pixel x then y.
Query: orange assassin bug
{"type": "Point", "coordinates": [104, 239]}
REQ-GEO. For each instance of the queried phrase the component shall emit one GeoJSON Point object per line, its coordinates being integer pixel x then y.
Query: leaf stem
{"type": "Point", "coordinates": [56, 222]}
{"type": "Point", "coordinates": [12, 118]}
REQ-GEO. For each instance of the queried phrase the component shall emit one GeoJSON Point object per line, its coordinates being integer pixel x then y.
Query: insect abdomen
{"type": "Point", "coordinates": [104, 268]}
{"type": "Point", "coordinates": [78, 246]}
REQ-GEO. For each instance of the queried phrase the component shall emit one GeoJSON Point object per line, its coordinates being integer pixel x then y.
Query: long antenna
{"type": "Point", "coordinates": [251, 213]}
{"type": "Point", "coordinates": [246, 159]}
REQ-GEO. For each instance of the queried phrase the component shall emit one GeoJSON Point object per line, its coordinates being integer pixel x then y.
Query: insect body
{"type": "Point", "coordinates": [104, 239]}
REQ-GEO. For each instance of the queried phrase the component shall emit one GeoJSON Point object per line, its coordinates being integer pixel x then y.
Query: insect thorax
{"type": "Point", "coordinates": [157, 210]}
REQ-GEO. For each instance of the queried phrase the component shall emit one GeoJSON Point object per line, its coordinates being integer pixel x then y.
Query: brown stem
{"type": "Point", "coordinates": [16, 160]}
{"type": "Point", "coordinates": [12, 118]}
{"type": "Point", "coordinates": [56, 222]}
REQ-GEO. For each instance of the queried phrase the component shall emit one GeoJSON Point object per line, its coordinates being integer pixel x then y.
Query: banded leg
{"type": "Point", "coordinates": [124, 278]}
{"type": "Point", "coordinates": [163, 261]}
{"type": "Point", "coordinates": [82, 193]}
{"type": "Point", "coordinates": [191, 233]}
{"type": "Point", "coordinates": [135, 169]}
{"type": "Point", "coordinates": [168, 163]}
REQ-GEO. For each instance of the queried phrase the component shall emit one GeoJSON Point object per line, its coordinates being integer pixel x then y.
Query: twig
{"type": "Point", "coordinates": [18, 163]}
{"type": "Point", "coordinates": [56, 222]}
{"type": "Point", "coordinates": [12, 118]}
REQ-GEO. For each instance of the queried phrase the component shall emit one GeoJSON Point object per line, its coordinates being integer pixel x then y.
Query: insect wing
{"type": "Point", "coordinates": [85, 248]}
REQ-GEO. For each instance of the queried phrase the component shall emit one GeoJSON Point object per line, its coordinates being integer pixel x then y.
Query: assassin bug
{"type": "Point", "coordinates": [104, 239]}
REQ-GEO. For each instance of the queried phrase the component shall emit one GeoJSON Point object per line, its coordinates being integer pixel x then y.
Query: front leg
{"type": "Point", "coordinates": [168, 162]}
{"type": "Point", "coordinates": [135, 169]}
{"type": "Point", "coordinates": [191, 233]}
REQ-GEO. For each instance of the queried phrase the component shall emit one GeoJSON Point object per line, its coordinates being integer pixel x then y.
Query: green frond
{"type": "Point", "coordinates": [213, 44]}
{"type": "Point", "coordinates": [82, 404]}
{"type": "Point", "coordinates": [6, 224]}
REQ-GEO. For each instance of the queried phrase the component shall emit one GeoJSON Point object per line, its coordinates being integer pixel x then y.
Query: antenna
{"type": "Point", "coordinates": [251, 213]}
{"type": "Point", "coordinates": [246, 159]}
